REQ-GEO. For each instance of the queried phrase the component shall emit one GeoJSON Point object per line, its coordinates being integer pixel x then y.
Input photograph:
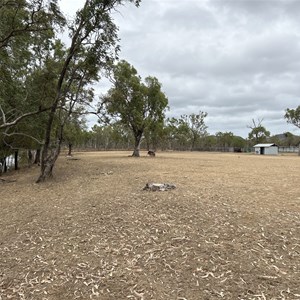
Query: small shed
{"type": "Point", "coordinates": [266, 149]}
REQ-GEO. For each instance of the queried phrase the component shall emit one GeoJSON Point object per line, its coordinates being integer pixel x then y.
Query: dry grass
{"type": "Point", "coordinates": [230, 230]}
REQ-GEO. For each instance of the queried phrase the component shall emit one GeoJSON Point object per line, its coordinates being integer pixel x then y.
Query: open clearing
{"type": "Point", "coordinates": [230, 230]}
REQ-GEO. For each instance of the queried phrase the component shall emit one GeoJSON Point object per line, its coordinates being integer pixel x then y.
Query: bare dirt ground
{"type": "Point", "coordinates": [230, 230]}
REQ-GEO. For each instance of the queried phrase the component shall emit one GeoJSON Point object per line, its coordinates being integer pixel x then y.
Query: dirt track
{"type": "Point", "coordinates": [230, 230]}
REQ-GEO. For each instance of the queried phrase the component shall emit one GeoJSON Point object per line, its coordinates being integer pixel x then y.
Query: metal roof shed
{"type": "Point", "coordinates": [267, 149]}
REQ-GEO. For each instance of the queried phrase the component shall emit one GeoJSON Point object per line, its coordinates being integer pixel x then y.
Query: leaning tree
{"type": "Point", "coordinates": [28, 44]}
{"type": "Point", "coordinates": [27, 28]}
{"type": "Point", "coordinates": [94, 46]}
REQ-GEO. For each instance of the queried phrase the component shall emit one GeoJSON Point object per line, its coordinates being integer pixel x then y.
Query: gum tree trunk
{"type": "Point", "coordinates": [137, 145]}
{"type": "Point", "coordinates": [49, 156]}
{"type": "Point", "coordinates": [48, 160]}
{"type": "Point", "coordinates": [3, 165]}
{"type": "Point", "coordinates": [16, 160]}
{"type": "Point", "coordinates": [70, 149]}
{"type": "Point", "coordinates": [48, 164]}
{"type": "Point", "coordinates": [37, 159]}
{"type": "Point", "coordinates": [29, 157]}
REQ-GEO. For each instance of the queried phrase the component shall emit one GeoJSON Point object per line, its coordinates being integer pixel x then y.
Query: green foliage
{"type": "Point", "coordinates": [177, 133]}
{"type": "Point", "coordinates": [258, 133]}
{"type": "Point", "coordinates": [228, 139]}
{"type": "Point", "coordinates": [293, 116]}
{"type": "Point", "coordinates": [154, 135]}
{"type": "Point", "coordinates": [291, 139]}
{"type": "Point", "coordinates": [73, 130]}
{"type": "Point", "coordinates": [186, 132]}
{"type": "Point", "coordinates": [111, 136]}
{"type": "Point", "coordinates": [138, 105]}
{"type": "Point", "coordinates": [39, 74]}
{"type": "Point", "coordinates": [26, 31]}
{"type": "Point", "coordinates": [194, 127]}
{"type": "Point", "coordinates": [225, 139]}
{"type": "Point", "coordinates": [93, 47]}
{"type": "Point", "coordinates": [239, 142]}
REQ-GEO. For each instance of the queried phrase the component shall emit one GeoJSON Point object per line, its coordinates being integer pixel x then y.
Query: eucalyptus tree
{"type": "Point", "coordinates": [155, 135]}
{"type": "Point", "coordinates": [239, 142]}
{"type": "Point", "coordinates": [228, 139]}
{"type": "Point", "coordinates": [258, 133]}
{"type": "Point", "coordinates": [293, 117]}
{"type": "Point", "coordinates": [121, 136]}
{"type": "Point", "coordinates": [225, 139]}
{"type": "Point", "coordinates": [102, 136]}
{"type": "Point", "coordinates": [136, 104]}
{"type": "Point", "coordinates": [25, 19]}
{"type": "Point", "coordinates": [93, 36]}
{"type": "Point", "coordinates": [26, 29]}
{"type": "Point", "coordinates": [111, 136]}
{"type": "Point", "coordinates": [177, 134]}
{"type": "Point", "coordinates": [73, 132]}
{"type": "Point", "coordinates": [196, 126]}
{"type": "Point", "coordinates": [189, 129]}
{"type": "Point", "coordinates": [27, 43]}
{"type": "Point", "coordinates": [290, 139]}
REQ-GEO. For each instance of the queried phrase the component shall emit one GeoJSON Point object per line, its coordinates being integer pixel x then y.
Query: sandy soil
{"type": "Point", "coordinates": [230, 230]}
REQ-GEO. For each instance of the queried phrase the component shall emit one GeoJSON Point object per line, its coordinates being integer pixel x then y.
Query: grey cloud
{"type": "Point", "coordinates": [188, 17]}
{"type": "Point", "coordinates": [264, 9]}
{"type": "Point", "coordinates": [235, 59]}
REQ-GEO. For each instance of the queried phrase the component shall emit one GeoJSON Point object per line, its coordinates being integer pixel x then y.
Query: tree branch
{"type": "Point", "coordinates": [25, 135]}
{"type": "Point", "coordinates": [28, 27]}
{"type": "Point", "coordinates": [6, 125]}
{"type": "Point", "coordinates": [3, 114]}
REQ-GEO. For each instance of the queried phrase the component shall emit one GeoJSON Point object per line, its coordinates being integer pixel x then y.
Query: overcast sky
{"type": "Point", "coordinates": [237, 60]}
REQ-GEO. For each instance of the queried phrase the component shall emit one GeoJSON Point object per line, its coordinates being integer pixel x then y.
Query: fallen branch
{"type": "Point", "coordinates": [7, 180]}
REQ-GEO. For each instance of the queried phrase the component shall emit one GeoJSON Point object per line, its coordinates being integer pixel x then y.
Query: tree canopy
{"type": "Point", "coordinates": [138, 105]}
{"type": "Point", "coordinates": [293, 117]}
{"type": "Point", "coordinates": [46, 88]}
{"type": "Point", "coordinates": [258, 133]}
{"type": "Point", "coordinates": [41, 76]}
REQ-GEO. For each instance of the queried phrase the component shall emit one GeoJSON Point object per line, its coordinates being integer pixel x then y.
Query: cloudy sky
{"type": "Point", "coordinates": [237, 60]}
